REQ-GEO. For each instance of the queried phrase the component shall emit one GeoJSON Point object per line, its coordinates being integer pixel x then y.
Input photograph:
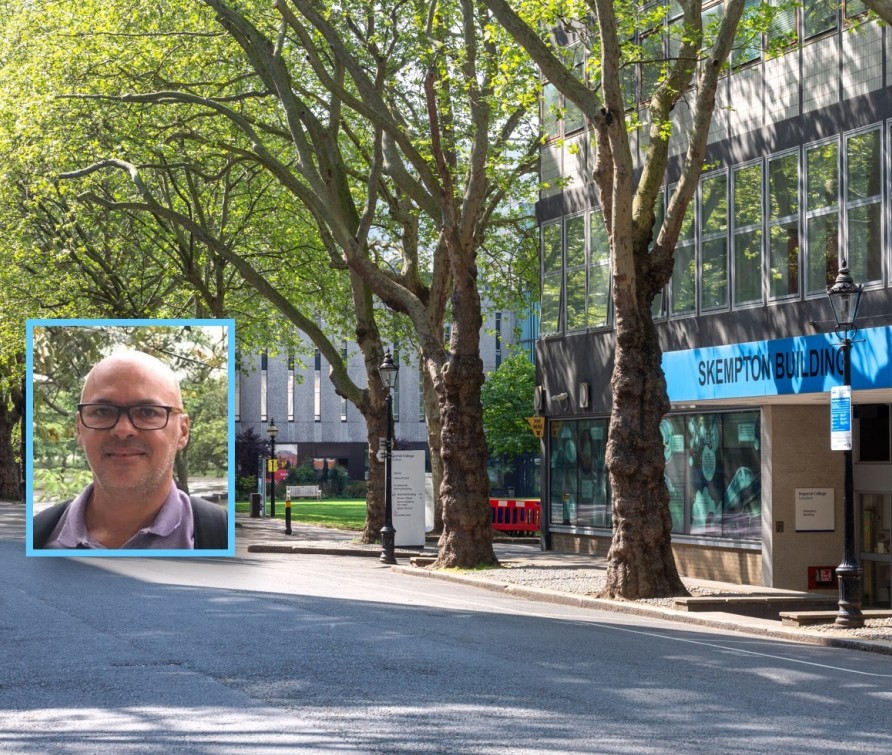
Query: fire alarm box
{"type": "Point", "coordinates": [822, 578]}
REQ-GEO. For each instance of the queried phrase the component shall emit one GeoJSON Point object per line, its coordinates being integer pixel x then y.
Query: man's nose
{"type": "Point", "coordinates": [124, 427]}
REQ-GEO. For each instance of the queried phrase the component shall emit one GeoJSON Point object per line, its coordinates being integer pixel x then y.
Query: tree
{"type": "Point", "coordinates": [507, 397]}
{"type": "Point", "coordinates": [404, 147]}
{"type": "Point", "coordinates": [640, 561]}
{"type": "Point", "coordinates": [249, 447]}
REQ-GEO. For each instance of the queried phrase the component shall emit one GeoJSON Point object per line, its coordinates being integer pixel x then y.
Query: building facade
{"type": "Point", "coordinates": [315, 424]}
{"type": "Point", "coordinates": [798, 181]}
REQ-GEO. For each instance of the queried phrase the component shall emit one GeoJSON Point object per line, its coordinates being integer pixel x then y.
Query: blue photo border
{"type": "Point", "coordinates": [30, 325]}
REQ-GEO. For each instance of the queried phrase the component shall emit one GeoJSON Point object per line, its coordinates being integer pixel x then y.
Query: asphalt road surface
{"type": "Point", "coordinates": [272, 654]}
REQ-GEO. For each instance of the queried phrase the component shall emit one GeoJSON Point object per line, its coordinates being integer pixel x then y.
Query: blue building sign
{"type": "Point", "coordinates": [806, 364]}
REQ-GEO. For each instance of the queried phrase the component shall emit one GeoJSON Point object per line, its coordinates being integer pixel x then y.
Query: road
{"type": "Point", "coordinates": [274, 654]}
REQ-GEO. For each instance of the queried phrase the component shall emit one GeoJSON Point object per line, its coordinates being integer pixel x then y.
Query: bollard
{"type": "Point", "coordinates": [255, 505]}
{"type": "Point", "coordinates": [287, 513]}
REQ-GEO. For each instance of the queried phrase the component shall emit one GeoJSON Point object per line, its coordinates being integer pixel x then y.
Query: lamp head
{"type": "Point", "coordinates": [388, 371]}
{"type": "Point", "coordinates": [845, 297]}
{"type": "Point", "coordinates": [272, 430]}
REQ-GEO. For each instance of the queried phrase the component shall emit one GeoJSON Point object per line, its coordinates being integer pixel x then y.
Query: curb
{"type": "Point", "coordinates": [653, 612]}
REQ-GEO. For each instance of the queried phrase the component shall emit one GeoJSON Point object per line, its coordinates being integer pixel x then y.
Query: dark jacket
{"type": "Point", "coordinates": [211, 524]}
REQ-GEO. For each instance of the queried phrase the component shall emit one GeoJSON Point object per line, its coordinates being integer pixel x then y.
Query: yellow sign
{"type": "Point", "coordinates": [537, 425]}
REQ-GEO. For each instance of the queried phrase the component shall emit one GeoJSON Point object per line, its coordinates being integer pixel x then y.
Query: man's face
{"type": "Point", "coordinates": [126, 460]}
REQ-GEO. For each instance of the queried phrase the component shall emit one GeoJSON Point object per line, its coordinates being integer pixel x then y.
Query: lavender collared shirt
{"type": "Point", "coordinates": [173, 527]}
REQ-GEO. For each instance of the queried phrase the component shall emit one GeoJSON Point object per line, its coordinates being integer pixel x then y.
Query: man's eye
{"type": "Point", "coordinates": [100, 412]}
{"type": "Point", "coordinates": [148, 412]}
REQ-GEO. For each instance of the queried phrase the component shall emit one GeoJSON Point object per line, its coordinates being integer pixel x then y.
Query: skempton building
{"type": "Point", "coordinates": [799, 181]}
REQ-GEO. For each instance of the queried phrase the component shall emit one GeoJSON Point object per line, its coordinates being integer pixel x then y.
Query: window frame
{"type": "Point", "coordinates": [867, 201]}
{"type": "Point", "coordinates": [809, 214]}
{"type": "Point", "coordinates": [736, 231]}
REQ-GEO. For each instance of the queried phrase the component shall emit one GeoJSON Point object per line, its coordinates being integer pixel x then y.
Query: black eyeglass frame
{"type": "Point", "coordinates": [127, 409]}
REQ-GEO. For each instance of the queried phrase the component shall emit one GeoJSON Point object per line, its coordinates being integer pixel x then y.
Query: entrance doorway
{"type": "Point", "coordinates": [875, 519]}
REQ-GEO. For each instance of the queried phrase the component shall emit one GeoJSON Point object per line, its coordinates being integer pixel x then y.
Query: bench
{"type": "Point", "coordinates": [304, 491]}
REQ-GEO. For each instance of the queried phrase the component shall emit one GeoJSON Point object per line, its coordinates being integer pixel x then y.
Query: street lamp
{"type": "Point", "coordinates": [272, 431]}
{"type": "Point", "coordinates": [388, 372]}
{"type": "Point", "coordinates": [845, 297]}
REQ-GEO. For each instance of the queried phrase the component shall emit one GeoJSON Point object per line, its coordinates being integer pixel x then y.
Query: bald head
{"type": "Point", "coordinates": [145, 369]}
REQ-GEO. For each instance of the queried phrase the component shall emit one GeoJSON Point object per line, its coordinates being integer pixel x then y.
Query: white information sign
{"type": "Point", "coordinates": [815, 510]}
{"type": "Point", "coordinates": [841, 418]}
{"type": "Point", "coordinates": [407, 479]}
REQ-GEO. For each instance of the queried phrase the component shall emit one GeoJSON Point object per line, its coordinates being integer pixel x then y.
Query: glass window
{"type": "Point", "coordinates": [580, 490]}
{"type": "Point", "coordinates": [551, 279]}
{"type": "Point", "coordinates": [317, 387]}
{"type": "Point", "coordinates": [564, 476]}
{"type": "Point", "coordinates": [748, 234]}
{"type": "Point", "coordinates": [783, 226]}
{"type": "Point", "coordinates": [818, 16]}
{"type": "Point", "coordinates": [573, 118]}
{"type": "Point", "coordinates": [748, 45]}
{"type": "Point", "coordinates": [599, 271]}
{"type": "Point", "coordinates": [684, 273]}
{"type": "Point", "coordinates": [711, 19]}
{"type": "Point", "coordinates": [822, 218]}
{"type": "Point", "coordinates": [263, 386]}
{"type": "Point", "coordinates": [782, 29]}
{"type": "Point", "coordinates": [864, 214]}
{"type": "Point", "coordinates": [574, 236]}
{"type": "Point", "coordinates": [593, 507]}
{"type": "Point", "coordinates": [873, 432]}
{"type": "Point", "coordinates": [653, 62]}
{"type": "Point", "coordinates": [672, 432]}
{"type": "Point", "coordinates": [550, 111]}
{"type": "Point", "coordinates": [712, 474]}
{"type": "Point", "coordinates": [289, 388]}
{"type": "Point", "coordinates": [658, 305]}
{"type": "Point", "coordinates": [714, 242]}
{"type": "Point", "coordinates": [855, 8]}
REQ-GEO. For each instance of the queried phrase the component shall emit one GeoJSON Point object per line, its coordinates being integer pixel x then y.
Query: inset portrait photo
{"type": "Point", "coordinates": [130, 438]}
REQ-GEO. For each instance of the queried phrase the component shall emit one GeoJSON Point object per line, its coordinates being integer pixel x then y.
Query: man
{"type": "Point", "coordinates": [130, 424]}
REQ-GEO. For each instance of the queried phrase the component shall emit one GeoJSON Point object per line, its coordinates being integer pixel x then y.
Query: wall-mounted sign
{"type": "Point", "coordinates": [815, 510]}
{"type": "Point", "coordinates": [805, 364]}
{"type": "Point", "coordinates": [537, 425]}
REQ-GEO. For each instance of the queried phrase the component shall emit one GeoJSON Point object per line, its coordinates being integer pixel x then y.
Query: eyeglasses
{"type": "Point", "coordinates": [141, 416]}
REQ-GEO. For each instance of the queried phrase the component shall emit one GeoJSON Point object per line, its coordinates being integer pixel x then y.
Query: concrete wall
{"type": "Point", "coordinates": [796, 454]}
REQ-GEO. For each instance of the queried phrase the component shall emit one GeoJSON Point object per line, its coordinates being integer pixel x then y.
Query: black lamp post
{"type": "Point", "coordinates": [388, 371]}
{"type": "Point", "coordinates": [845, 297]}
{"type": "Point", "coordinates": [272, 431]}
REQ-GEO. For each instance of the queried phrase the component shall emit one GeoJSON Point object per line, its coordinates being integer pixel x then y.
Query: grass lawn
{"type": "Point", "coordinates": [339, 515]}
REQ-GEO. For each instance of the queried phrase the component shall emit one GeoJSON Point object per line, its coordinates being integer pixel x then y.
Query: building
{"type": "Point", "coordinates": [799, 157]}
{"type": "Point", "coordinates": [315, 424]}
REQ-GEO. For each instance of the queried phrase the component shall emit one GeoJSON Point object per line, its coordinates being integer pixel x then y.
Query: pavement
{"type": "Point", "coordinates": [527, 572]}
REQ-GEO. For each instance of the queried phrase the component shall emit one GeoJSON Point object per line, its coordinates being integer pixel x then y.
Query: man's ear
{"type": "Point", "coordinates": [77, 430]}
{"type": "Point", "coordinates": [183, 440]}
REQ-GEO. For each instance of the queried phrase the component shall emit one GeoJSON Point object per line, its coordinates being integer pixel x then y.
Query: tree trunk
{"type": "Point", "coordinates": [467, 526]}
{"type": "Point", "coordinates": [10, 471]}
{"type": "Point", "coordinates": [640, 562]}
{"type": "Point", "coordinates": [11, 409]}
{"type": "Point", "coordinates": [376, 424]}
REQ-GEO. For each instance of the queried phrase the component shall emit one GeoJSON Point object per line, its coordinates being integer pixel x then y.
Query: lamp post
{"type": "Point", "coordinates": [272, 431]}
{"type": "Point", "coordinates": [845, 297]}
{"type": "Point", "coordinates": [388, 371]}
